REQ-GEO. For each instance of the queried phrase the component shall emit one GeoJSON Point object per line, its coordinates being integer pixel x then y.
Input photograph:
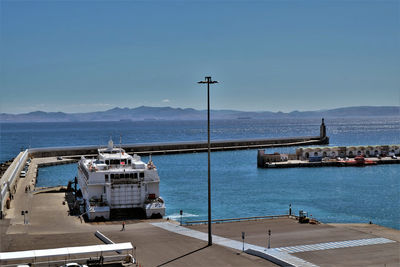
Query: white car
{"type": "Point", "coordinates": [74, 264]}
{"type": "Point", "coordinates": [23, 174]}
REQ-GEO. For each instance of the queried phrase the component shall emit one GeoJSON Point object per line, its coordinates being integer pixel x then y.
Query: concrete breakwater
{"type": "Point", "coordinates": [182, 147]}
{"type": "Point", "coordinates": [188, 147]}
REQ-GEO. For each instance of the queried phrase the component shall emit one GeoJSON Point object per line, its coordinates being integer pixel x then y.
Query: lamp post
{"type": "Point", "coordinates": [208, 81]}
{"type": "Point", "coordinates": [243, 233]}
{"type": "Point", "coordinates": [269, 238]}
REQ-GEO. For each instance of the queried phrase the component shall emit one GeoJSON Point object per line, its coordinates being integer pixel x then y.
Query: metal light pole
{"type": "Point", "coordinates": [208, 81]}
{"type": "Point", "coordinates": [269, 238]}
{"type": "Point", "coordinates": [243, 233]}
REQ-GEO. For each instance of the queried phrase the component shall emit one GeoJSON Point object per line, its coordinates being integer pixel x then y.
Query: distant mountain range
{"type": "Point", "coordinates": [168, 113]}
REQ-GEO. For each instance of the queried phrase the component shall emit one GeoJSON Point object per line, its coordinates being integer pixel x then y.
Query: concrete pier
{"type": "Point", "coordinates": [188, 147]}
{"type": "Point", "coordinates": [182, 147]}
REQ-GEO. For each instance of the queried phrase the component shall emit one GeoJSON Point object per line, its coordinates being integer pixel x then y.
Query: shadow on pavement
{"type": "Point", "coordinates": [180, 257]}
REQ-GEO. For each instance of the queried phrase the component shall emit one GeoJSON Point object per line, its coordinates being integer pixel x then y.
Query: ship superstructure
{"type": "Point", "coordinates": [116, 182]}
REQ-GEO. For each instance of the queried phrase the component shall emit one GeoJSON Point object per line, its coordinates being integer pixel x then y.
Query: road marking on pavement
{"type": "Point", "coordinates": [334, 245]}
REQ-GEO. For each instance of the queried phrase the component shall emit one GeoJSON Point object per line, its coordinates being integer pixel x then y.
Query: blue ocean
{"type": "Point", "coordinates": [239, 188]}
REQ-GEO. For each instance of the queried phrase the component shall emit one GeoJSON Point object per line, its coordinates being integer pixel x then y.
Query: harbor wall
{"type": "Point", "coordinates": [9, 179]}
{"type": "Point", "coordinates": [182, 147]}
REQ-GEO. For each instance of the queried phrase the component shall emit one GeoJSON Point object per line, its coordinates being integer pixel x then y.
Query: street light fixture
{"type": "Point", "coordinates": [208, 81]}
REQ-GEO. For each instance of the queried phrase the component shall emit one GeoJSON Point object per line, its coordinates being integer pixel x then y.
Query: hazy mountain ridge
{"type": "Point", "coordinates": [169, 113]}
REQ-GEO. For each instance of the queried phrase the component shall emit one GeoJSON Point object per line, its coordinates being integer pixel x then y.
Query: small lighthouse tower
{"type": "Point", "coordinates": [322, 133]}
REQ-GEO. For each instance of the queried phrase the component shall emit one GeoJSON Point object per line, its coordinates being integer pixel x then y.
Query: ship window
{"type": "Point", "coordinates": [135, 175]}
{"type": "Point", "coordinates": [112, 176]}
{"type": "Point", "coordinates": [315, 154]}
{"type": "Point", "coordinates": [141, 174]}
{"type": "Point", "coordinates": [129, 162]}
{"type": "Point", "coordinates": [123, 161]}
{"type": "Point", "coordinates": [106, 177]}
{"type": "Point", "coordinates": [116, 176]}
{"type": "Point", "coordinates": [104, 189]}
{"type": "Point", "coordinates": [131, 175]}
{"type": "Point", "coordinates": [107, 162]}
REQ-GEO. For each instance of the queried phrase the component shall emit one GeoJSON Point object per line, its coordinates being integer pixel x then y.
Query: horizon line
{"type": "Point", "coordinates": [183, 108]}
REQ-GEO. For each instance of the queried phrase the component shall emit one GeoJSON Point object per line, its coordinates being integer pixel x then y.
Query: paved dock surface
{"type": "Point", "coordinates": [50, 226]}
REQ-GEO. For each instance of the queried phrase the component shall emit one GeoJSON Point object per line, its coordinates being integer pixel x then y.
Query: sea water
{"type": "Point", "coordinates": [239, 188]}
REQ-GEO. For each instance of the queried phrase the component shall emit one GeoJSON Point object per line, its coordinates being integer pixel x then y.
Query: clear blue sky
{"type": "Point", "coordinates": [78, 56]}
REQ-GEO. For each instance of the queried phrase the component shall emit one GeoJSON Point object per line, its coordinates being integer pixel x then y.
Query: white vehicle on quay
{"type": "Point", "coordinates": [74, 264]}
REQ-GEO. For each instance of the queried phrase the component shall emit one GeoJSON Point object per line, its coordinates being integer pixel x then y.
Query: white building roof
{"type": "Point", "coordinates": [67, 251]}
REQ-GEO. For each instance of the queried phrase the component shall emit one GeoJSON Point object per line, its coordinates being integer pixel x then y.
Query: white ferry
{"type": "Point", "coordinates": [115, 183]}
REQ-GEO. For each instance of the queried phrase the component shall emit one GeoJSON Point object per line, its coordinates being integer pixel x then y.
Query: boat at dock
{"type": "Point", "coordinates": [117, 183]}
{"type": "Point", "coordinates": [359, 161]}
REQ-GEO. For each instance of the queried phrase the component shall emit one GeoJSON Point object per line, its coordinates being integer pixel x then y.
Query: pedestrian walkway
{"type": "Point", "coordinates": [333, 245]}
